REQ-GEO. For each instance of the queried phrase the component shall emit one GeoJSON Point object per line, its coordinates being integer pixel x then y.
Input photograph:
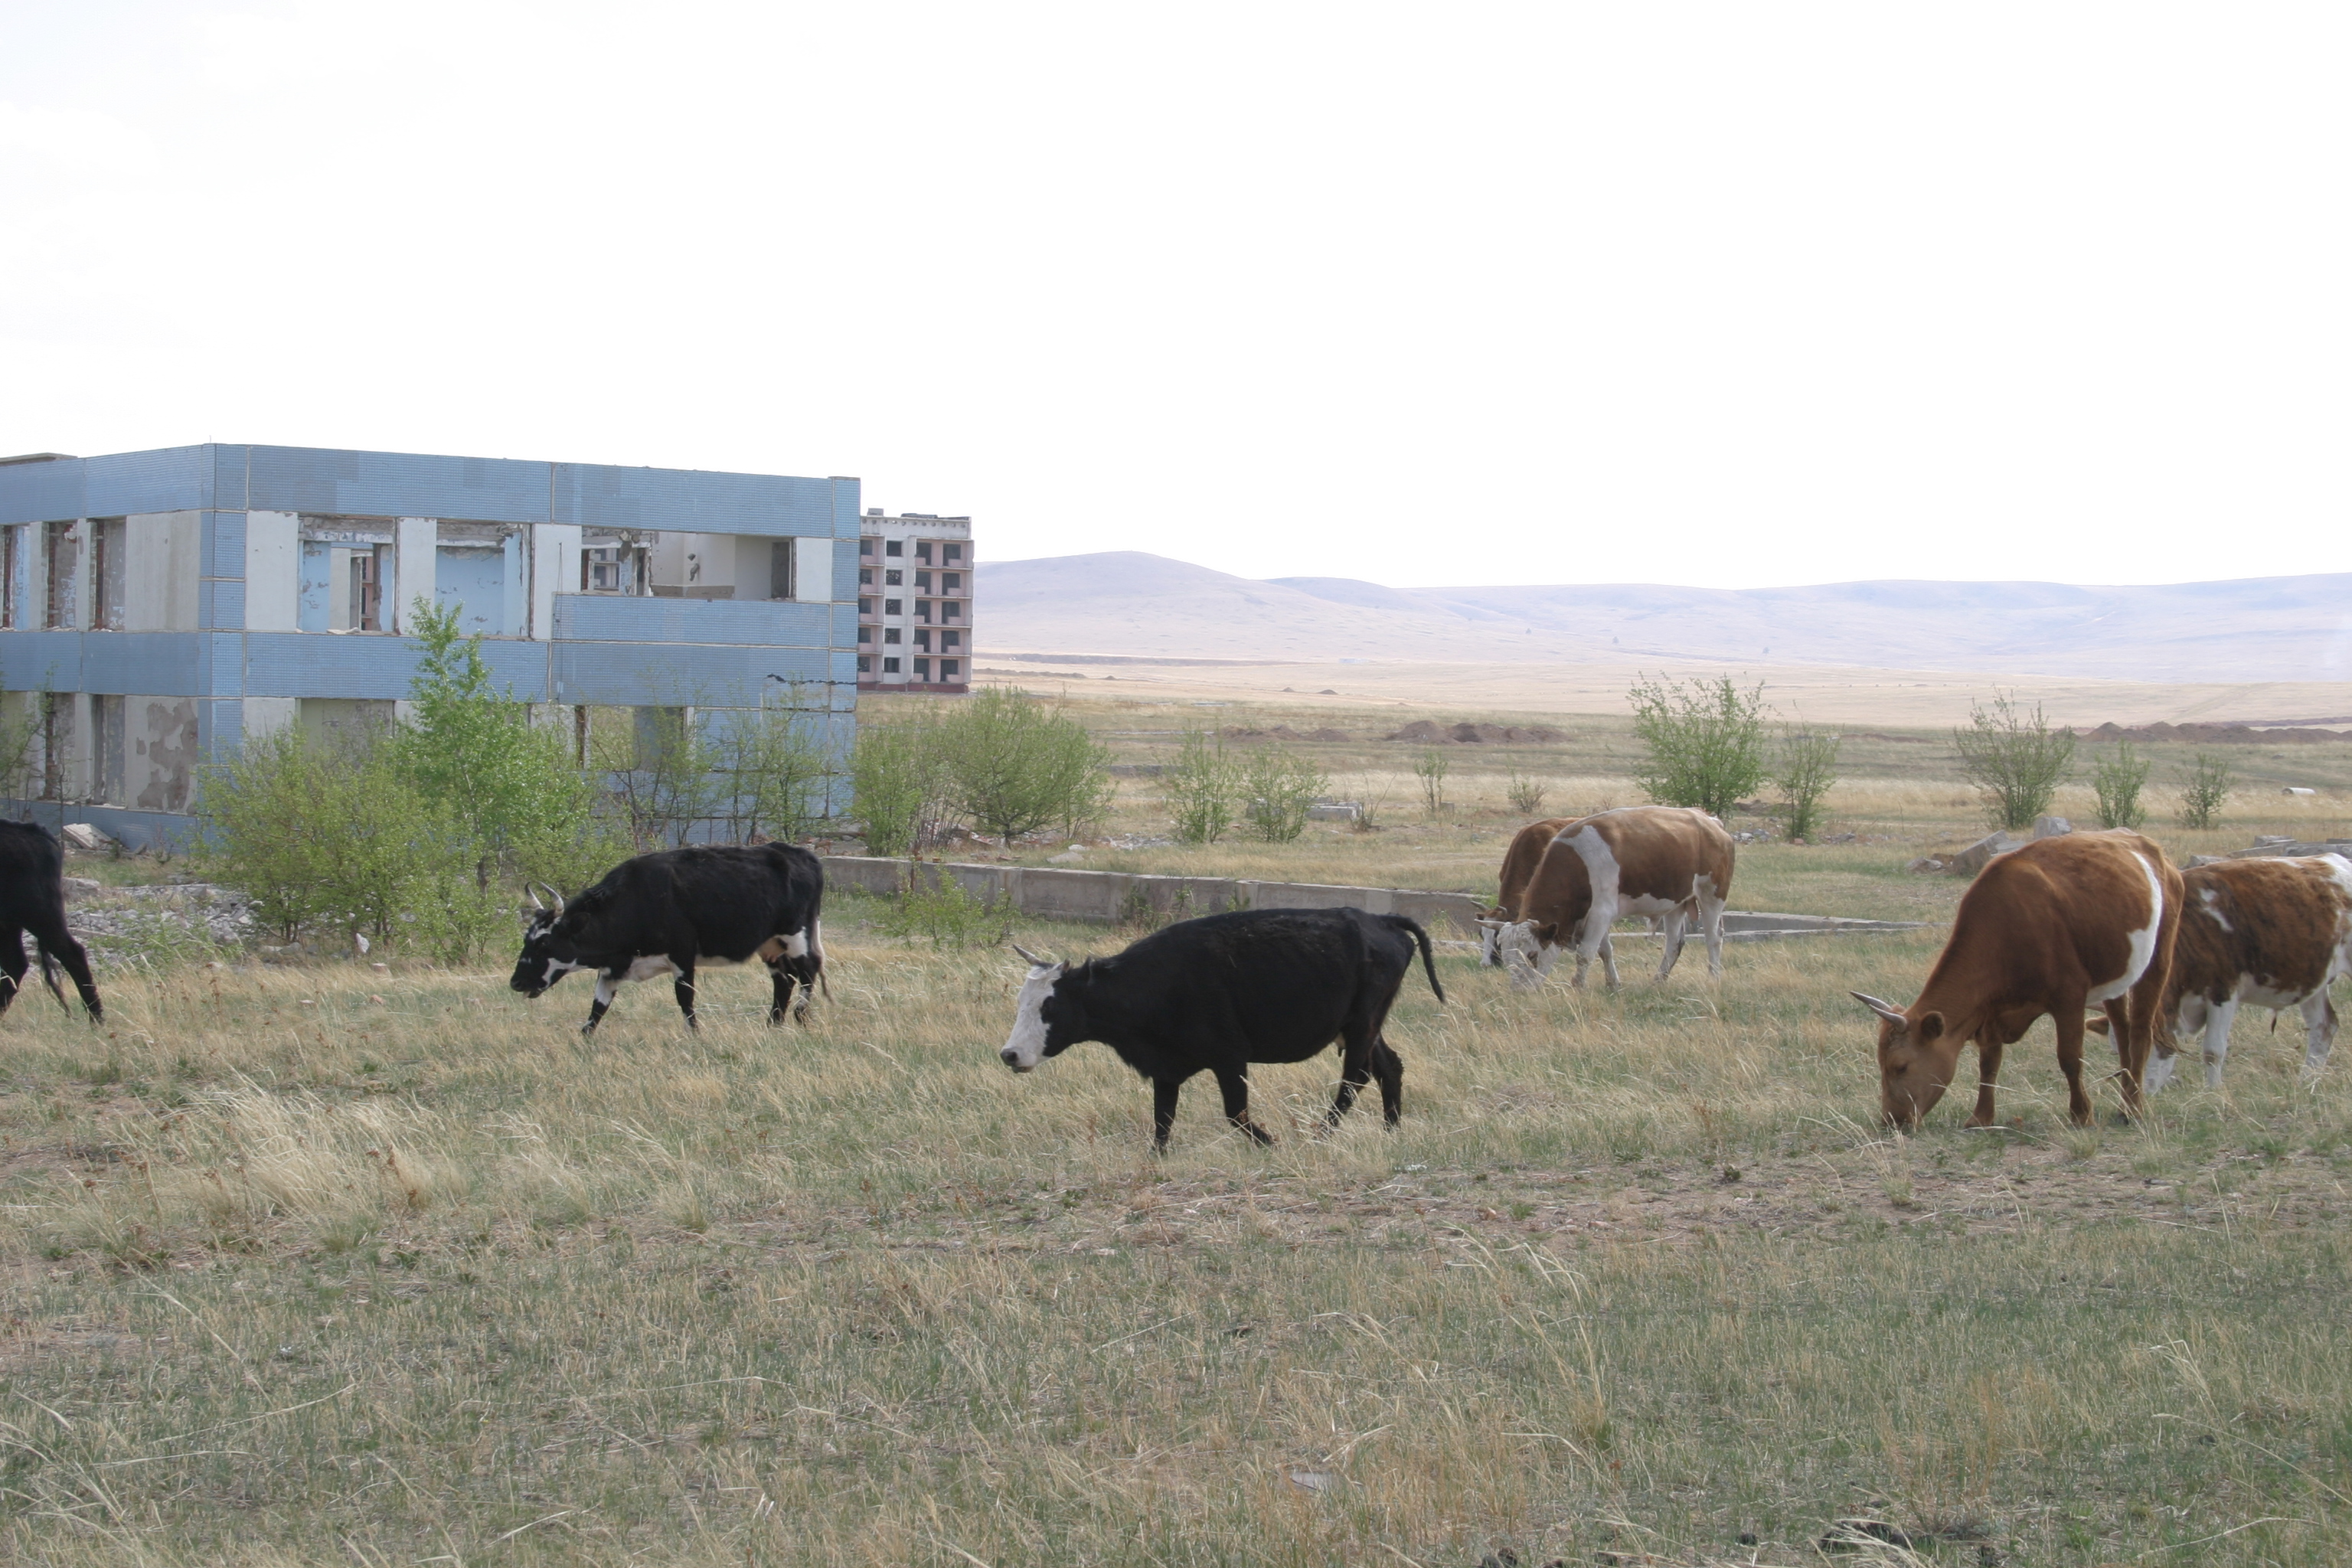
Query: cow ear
{"type": "Point", "coordinates": [1930, 1027]}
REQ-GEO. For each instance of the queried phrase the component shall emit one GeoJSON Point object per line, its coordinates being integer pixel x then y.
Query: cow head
{"type": "Point", "coordinates": [550, 951]}
{"type": "Point", "coordinates": [1490, 928]}
{"type": "Point", "coordinates": [1917, 1058]}
{"type": "Point", "coordinates": [1518, 946]}
{"type": "Point", "coordinates": [1048, 1017]}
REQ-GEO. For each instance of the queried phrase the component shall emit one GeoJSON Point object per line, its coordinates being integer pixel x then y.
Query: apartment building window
{"type": "Point", "coordinates": [893, 606]}
{"type": "Point", "coordinates": [890, 667]}
{"type": "Point", "coordinates": [57, 741]}
{"type": "Point", "coordinates": [953, 553]}
{"type": "Point", "coordinates": [108, 713]}
{"type": "Point", "coordinates": [950, 582]}
{"type": "Point", "coordinates": [952, 609]}
{"type": "Point", "coordinates": [8, 548]}
{"type": "Point", "coordinates": [865, 634]}
{"type": "Point", "coordinates": [601, 570]}
{"type": "Point", "coordinates": [892, 577]}
{"type": "Point", "coordinates": [950, 669]}
{"type": "Point", "coordinates": [889, 634]}
{"type": "Point", "coordinates": [922, 669]}
{"type": "Point", "coordinates": [865, 664]}
{"type": "Point", "coordinates": [367, 589]}
{"type": "Point", "coordinates": [923, 641]}
{"type": "Point", "coordinates": [923, 551]}
{"type": "Point", "coordinates": [60, 558]}
{"type": "Point", "coordinates": [865, 606]}
{"type": "Point", "coordinates": [950, 639]}
{"type": "Point", "coordinates": [866, 576]}
{"type": "Point", "coordinates": [894, 547]}
{"type": "Point", "coordinates": [923, 582]}
{"type": "Point", "coordinates": [923, 609]}
{"type": "Point", "coordinates": [781, 584]}
{"type": "Point", "coordinates": [107, 575]}
{"type": "Point", "coordinates": [865, 547]}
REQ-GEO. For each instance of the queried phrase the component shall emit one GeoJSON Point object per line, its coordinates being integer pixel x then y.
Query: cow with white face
{"type": "Point", "coordinates": [1673, 863]}
{"type": "Point", "coordinates": [1519, 863]}
{"type": "Point", "coordinates": [674, 911]}
{"type": "Point", "coordinates": [1218, 993]}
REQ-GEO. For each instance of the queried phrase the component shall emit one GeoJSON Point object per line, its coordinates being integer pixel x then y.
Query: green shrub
{"type": "Point", "coordinates": [770, 766]}
{"type": "Point", "coordinates": [2119, 776]}
{"type": "Point", "coordinates": [1703, 738]}
{"type": "Point", "coordinates": [1279, 785]}
{"type": "Point", "coordinates": [1431, 768]}
{"type": "Point", "coordinates": [1013, 765]}
{"type": "Point", "coordinates": [1201, 787]}
{"type": "Point", "coordinates": [948, 915]}
{"type": "Point", "coordinates": [1805, 774]}
{"type": "Point", "coordinates": [2209, 781]}
{"type": "Point", "coordinates": [897, 787]}
{"type": "Point", "coordinates": [2014, 760]}
{"type": "Point", "coordinates": [1525, 794]}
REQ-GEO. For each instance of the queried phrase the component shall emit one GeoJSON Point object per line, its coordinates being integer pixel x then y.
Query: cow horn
{"type": "Point", "coordinates": [1886, 1010]}
{"type": "Point", "coordinates": [552, 894]}
{"type": "Point", "coordinates": [1034, 961]}
{"type": "Point", "coordinates": [534, 896]}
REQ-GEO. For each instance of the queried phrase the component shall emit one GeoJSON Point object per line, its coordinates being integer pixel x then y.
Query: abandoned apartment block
{"type": "Point", "coordinates": [158, 607]}
{"type": "Point", "coordinates": [914, 603]}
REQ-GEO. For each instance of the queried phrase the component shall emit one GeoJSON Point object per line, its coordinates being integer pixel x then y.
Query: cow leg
{"type": "Point", "coordinates": [1355, 1072]}
{"type": "Point", "coordinates": [1710, 914]}
{"type": "Point", "coordinates": [1677, 920]}
{"type": "Point", "coordinates": [683, 989]}
{"type": "Point", "coordinates": [1389, 1067]}
{"type": "Point", "coordinates": [1233, 1084]}
{"type": "Point", "coordinates": [785, 981]}
{"type": "Point", "coordinates": [2217, 1020]}
{"type": "Point", "coordinates": [2069, 1020]}
{"type": "Point", "coordinates": [68, 951]}
{"type": "Point", "coordinates": [1163, 1110]}
{"type": "Point", "coordinates": [1989, 1052]}
{"type": "Point", "coordinates": [12, 961]}
{"type": "Point", "coordinates": [605, 986]}
{"type": "Point", "coordinates": [2165, 1054]}
{"type": "Point", "coordinates": [2319, 1022]}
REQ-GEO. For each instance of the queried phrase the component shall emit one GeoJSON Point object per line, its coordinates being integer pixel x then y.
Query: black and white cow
{"type": "Point", "coordinates": [33, 900]}
{"type": "Point", "coordinates": [674, 910]}
{"type": "Point", "coordinates": [1216, 993]}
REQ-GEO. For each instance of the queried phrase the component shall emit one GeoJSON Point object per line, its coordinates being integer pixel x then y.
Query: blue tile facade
{"type": "Point", "coordinates": [210, 644]}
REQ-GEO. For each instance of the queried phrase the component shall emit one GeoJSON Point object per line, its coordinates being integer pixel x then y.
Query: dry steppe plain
{"type": "Point", "coordinates": [312, 1263]}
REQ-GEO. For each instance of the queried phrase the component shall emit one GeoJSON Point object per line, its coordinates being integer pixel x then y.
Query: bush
{"type": "Point", "coordinates": [769, 769]}
{"type": "Point", "coordinates": [898, 788]}
{"type": "Point", "coordinates": [2209, 781]}
{"type": "Point", "coordinates": [1201, 786]}
{"type": "Point", "coordinates": [2015, 761]}
{"type": "Point", "coordinates": [1704, 739]}
{"type": "Point", "coordinates": [1807, 772]}
{"type": "Point", "coordinates": [1280, 785]}
{"type": "Point", "coordinates": [660, 775]}
{"type": "Point", "coordinates": [1525, 794]}
{"type": "Point", "coordinates": [1431, 768]}
{"type": "Point", "coordinates": [1013, 765]}
{"type": "Point", "coordinates": [948, 915]}
{"type": "Point", "coordinates": [2118, 777]}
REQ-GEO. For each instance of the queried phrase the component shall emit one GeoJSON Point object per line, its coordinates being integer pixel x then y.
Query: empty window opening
{"type": "Point", "coordinates": [890, 635]}
{"type": "Point", "coordinates": [60, 558]}
{"type": "Point", "coordinates": [865, 664]}
{"type": "Point", "coordinates": [893, 578]}
{"type": "Point", "coordinates": [922, 669]}
{"type": "Point", "coordinates": [866, 576]}
{"type": "Point", "coordinates": [950, 582]}
{"type": "Point", "coordinates": [950, 669]}
{"type": "Point", "coordinates": [923, 641]}
{"type": "Point", "coordinates": [890, 667]}
{"type": "Point", "coordinates": [56, 741]}
{"type": "Point", "coordinates": [8, 567]}
{"type": "Point", "coordinates": [107, 575]}
{"type": "Point", "coordinates": [952, 609]}
{"type": "Point", "coordinates": [866, 633]}
{"type": "Point", "coordinates": [952, 552]}
{"type": "Point", "coordinates": [895, 547]}
{"type": "Point", "coordinates": [923, 551]}
{"type": "Point", "coordinates": [109, 783]}
{"type": "Point", "coordinates": [363, 598]}
{"type": "Point", "coordinates": [923, 581]}
{"type": "Point", "coordinates": [865, 547]}
{"type": "Point", "coordinates": [923, 609]}
{"type": "Point", "coordinates": [952, 639]}
{"type": "Point", "coordinates": [780, 569]}
{"type": "Point", "coordinates": [894, 606]}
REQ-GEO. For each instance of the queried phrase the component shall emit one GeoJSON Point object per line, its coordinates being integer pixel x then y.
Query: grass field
{"type": "Point", "coordinates": [329, 1264]}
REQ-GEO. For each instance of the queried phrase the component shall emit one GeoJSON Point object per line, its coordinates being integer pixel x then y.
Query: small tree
{"type": "Point", "coordinates": [1704, 739]}
{"type": "Point", "coordinates": [1431, 768]}
{"type": "Point", "coordinates": [1201, 786]}
{"type": "Point", "coordinates": [1805, 774]}
{"type": "Point", "coordinates": [1280, 785]}
{"type": "Point", "coordinates": [771, 765]}
{"type": "Point", "coordinates": [1013, 765]}
{"type": "Point", "coordinates": [1524, 791]}
{"type": "Point", "coordinates": [2119, 776]}
{"type": "Point", "coordinates": [897, 787]}
{"type": "Point", "coordinates": [2203, 788]}
{"type": "Point", "coordinates": [2014, 760]}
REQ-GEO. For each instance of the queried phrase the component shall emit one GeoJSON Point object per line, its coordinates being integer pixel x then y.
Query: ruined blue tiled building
{"type": "Point", "coordinates": [157, 607]}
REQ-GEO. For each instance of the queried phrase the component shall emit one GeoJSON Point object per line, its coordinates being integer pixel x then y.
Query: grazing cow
{"type": "Point", "coordinates": [2053, 927]}
{"type": "Point", "coordinates": [2274, 932]}
{"type": "Point", "coordinates": [1216, 993]}
{"type": "Point", "coordinates": [1519, 863]}
{"type": "Point", "coordinates": [33, 899]}
{"type": "Point", "coordinates": [673, 910]}
{"type": "Point", "coordinates": [1669, 861]}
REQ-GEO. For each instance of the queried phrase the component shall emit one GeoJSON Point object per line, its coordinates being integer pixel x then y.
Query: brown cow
{"type": "Point", "coordinates": [1665, 860]}
{"type": "Point", "coordinates": [2274, 932]}
{"type": "Point", "coordinates": [1519, 863]}
{"type": "Point", "coordinates": [2054, 927]}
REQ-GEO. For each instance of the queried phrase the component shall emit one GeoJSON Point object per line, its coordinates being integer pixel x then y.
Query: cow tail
{"type": "Point", "coordinates": [49, 973]}
{"type": "Point", "coordinates": [1428, 963]}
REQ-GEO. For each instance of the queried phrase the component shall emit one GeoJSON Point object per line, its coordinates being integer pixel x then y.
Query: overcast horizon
{"type": "Point", "coordinates": [1714, 297]}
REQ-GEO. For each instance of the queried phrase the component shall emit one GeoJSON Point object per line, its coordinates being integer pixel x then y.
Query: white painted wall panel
{"type": "Point", "coordinates": [417, 549]}
{"type": "Point", "coordinates": [554, 569]}
{"type": "Point", "coordinates": [273, 572]}
{"type": "Point", "coordinates": [812, 570]}
{"type": "Point", "coordinates": [161, 568]}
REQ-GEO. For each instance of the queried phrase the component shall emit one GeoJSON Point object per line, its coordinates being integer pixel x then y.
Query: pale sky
{"type": "Point", "coordinates": [1715, 294]}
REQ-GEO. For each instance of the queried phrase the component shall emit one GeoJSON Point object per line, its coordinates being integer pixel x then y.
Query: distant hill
{"type": "Point", "coordinates": [1133, 604]}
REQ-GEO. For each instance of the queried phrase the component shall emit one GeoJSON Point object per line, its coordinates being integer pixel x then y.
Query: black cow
{"type": "Point", "coordinates": [666, 912]}
{"type": "Point", "coordinates": [1216, 993]}
{"type": "Point", "coordinates": [33, 899]}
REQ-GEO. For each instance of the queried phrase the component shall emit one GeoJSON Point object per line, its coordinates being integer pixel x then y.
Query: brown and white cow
{"type": "Point", "coordinates": [2274, 932]}
{"type": "Point", "coordinates": [2055, 927]}
{"type": "Point", "coordinates": [1519, 863]}
{"type": "Point", "coordinates": [1665, 860]}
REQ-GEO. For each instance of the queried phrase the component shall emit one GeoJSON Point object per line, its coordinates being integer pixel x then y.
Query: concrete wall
{"type": "Point", "coordinates": [273, 571]}
{"type": "Point", "coordinates": [1052, 893]}
{"type": "Point", "coordinates": [162, 563]}
{"type": "Point", "coordinates": [161, 752]}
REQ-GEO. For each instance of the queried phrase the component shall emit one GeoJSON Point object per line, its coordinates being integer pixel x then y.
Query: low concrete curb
{"type": "Point", "coordinates": [1106, 897]}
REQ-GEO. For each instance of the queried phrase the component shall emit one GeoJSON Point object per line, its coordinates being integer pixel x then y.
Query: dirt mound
{"type": "Point", "coordinates": [1427, 733]}
{"type": "Point", "coordinates": [2219, 734]}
